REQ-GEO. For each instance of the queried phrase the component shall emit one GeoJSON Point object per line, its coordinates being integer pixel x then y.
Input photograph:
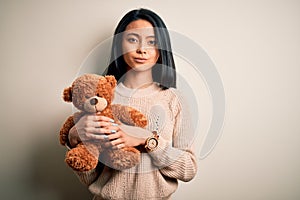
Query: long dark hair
{"type": "Point", "coordinates": [164, 71]}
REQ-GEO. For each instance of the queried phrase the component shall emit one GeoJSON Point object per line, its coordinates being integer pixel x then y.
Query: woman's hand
{"type": "Point", "coordinates": [127, 136]}
{"type": "Point", "coordinates": [91, 127]}
{"type": "Point", "coordinates": [120, 136]}
{"type": "Point", "coordinates": [96, 127]}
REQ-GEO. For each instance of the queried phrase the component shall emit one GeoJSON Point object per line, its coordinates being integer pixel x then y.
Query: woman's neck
{"type": "Point", "coordinates": [137, 79]}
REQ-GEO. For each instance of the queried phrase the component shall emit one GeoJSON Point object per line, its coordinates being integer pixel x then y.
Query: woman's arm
{"type": "Point", "coordinates": [175, 162]}
{"type": "Point", "coordinates": [176, 159]}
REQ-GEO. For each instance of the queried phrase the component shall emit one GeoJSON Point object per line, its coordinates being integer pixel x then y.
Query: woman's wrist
{"type": "Point", "coordinates": [143, 141]}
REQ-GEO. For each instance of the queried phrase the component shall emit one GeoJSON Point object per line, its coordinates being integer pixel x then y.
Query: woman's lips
{"type": "Point", "coordinates": [140, 60]}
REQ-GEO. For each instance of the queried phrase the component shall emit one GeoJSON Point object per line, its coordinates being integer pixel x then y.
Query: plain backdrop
{"type": "Point", "coordinates": [255, 46]}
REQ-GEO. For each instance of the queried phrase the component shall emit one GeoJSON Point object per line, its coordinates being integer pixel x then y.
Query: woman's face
{"type": "Point", "coordinates": [139, 45]}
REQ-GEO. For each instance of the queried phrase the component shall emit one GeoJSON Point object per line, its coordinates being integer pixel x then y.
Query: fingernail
{"type": "Point", "coordinates": [114, 124]}
{"type": "Point", "coordinates": [105, 137]}
{"type": "Point", "coordinates": [111, 120]}
{"type": "Point", "coordinates": [113, 131]}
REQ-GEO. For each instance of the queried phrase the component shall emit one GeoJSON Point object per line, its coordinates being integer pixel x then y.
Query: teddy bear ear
{"type": "Point", "coordinates": [67, 94]}
{"type": "Point", "coordinates": [111, 80]}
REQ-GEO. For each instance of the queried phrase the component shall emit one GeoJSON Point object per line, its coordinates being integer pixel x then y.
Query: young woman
{"type": "Point", "coordinates": [143, 64]}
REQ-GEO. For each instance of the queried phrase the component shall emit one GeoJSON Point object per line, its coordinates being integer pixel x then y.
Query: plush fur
{"type": "Point", "coordinates": [91, 93]}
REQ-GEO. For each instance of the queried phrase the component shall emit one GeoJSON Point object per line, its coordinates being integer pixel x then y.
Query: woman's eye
{"type": "Point", "coordinates": [132, 40]}
{"type": "Point", "coordinates": [152, 42]}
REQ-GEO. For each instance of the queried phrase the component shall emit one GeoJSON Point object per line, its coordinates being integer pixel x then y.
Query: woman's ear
{"type": "Point", "coordinates": [67, 94]}
{"type": "Point", "coordinates": [111, 79]}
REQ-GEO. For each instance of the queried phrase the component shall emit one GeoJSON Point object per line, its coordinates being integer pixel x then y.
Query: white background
{"type": "Point", "coordinates": [255, 46]}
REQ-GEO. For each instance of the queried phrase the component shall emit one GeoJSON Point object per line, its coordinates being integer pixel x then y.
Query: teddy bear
{"type": "Point", "coordinates": [92, 93]}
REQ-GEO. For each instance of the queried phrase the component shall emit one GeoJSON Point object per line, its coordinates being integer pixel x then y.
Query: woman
{"type": "Point", "coordinates": [142, 62]}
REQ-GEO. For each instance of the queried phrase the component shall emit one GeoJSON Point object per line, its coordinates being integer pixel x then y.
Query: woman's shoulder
{"type": "Point", "coordinates": [173, 93]}
{"type": "Point", "coordinates": [174, 97]}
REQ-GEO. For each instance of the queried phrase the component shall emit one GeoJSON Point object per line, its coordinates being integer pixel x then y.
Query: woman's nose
{"type": "Point", "coordinates": [141, 49]}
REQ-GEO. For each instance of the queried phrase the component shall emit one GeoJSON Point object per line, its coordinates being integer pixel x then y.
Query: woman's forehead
{"type": "Point", "coordinates": [140, 27]}
{"type": "Point", "coordinates": [140, 23]}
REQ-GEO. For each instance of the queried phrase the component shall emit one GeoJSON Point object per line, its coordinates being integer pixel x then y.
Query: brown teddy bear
{"type": "Point", "coordinates": [91, 93]}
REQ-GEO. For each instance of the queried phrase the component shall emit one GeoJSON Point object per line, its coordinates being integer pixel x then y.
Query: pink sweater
{"type": "Point", "coordinates": [157, 175]}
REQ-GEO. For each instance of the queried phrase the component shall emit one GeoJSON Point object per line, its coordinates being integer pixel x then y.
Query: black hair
{"type": "Point", "coordinates": [164, 71]}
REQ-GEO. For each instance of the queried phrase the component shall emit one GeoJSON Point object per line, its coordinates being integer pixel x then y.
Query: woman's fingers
{"type": "Point", "coordinates": [97, 118]}
{"type": "Point", "coordinates": [117, 142]}
{"type": "Point", "coordinates": [101, 124]}
{"type": "Point", "coordinates": [101, 118]}
{"type": "Point", "coordinates": [96, 133]}
{"type": "Point", "coordinates": [98, 124]}
{"type": "Point", "coordinates": [98, 137]}
{"type": "Point", "coordinates": [100, 121]}
{"type": "Point", "coordinates": [106, 130]}
{"type": "Point", "coordinates": [114, 135]}
{"type": "Point", "coordinates": [119, 146]}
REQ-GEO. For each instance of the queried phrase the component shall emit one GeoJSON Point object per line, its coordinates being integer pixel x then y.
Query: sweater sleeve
{"type": "Point", "coordinates": [176, 159]}
{"type": "Point", "coordinates": [88, 177]}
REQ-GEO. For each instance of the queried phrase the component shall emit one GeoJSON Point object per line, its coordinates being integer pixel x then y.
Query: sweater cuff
{"type": "Point", "coordinates": [160, 154]}
{"type": "Point", "coordinates": [87, 177]}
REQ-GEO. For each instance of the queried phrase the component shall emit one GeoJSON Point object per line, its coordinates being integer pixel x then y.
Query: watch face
{"type": "Point", "coordinates": [152, 143]}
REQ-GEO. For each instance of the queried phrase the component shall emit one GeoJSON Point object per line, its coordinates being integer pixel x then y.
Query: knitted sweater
{"type": "Point", "coordinates": [157, 175]}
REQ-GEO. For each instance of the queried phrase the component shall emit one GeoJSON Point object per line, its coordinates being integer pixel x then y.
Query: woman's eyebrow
{"type": "Point", "coordinates": [137, 35]}
{"type": "Point", "coordinates": [134, 34]}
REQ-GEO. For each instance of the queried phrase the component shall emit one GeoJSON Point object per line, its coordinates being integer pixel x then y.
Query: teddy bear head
{"type": "Point", "coordinates": [91, 92]}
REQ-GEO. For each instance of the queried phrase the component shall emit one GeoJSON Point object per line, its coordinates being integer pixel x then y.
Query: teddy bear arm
{"type": "Point", "coordinates": [137, 117]}
{"type": "Point", "coordinates": [129, 115]}
{"type": "Point", "coordinates": [64, 131]}
{"type": "Point", "coordinates": [69, 123]}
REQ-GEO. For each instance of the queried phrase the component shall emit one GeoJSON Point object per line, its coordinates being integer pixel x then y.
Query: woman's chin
{"type": "Point", "coordinates": [141, 68]}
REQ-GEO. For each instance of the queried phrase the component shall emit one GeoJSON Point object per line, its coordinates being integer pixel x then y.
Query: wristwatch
{"type": "Point", "coordinates": [152, 142]}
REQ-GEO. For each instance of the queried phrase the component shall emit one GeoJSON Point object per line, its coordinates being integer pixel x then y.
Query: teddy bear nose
{"type": "Point", "coordinates": [93, 101]}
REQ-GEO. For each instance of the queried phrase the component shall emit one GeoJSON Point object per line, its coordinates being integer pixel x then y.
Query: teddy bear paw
{"type": "Point", "coordinates": [81, 159]}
